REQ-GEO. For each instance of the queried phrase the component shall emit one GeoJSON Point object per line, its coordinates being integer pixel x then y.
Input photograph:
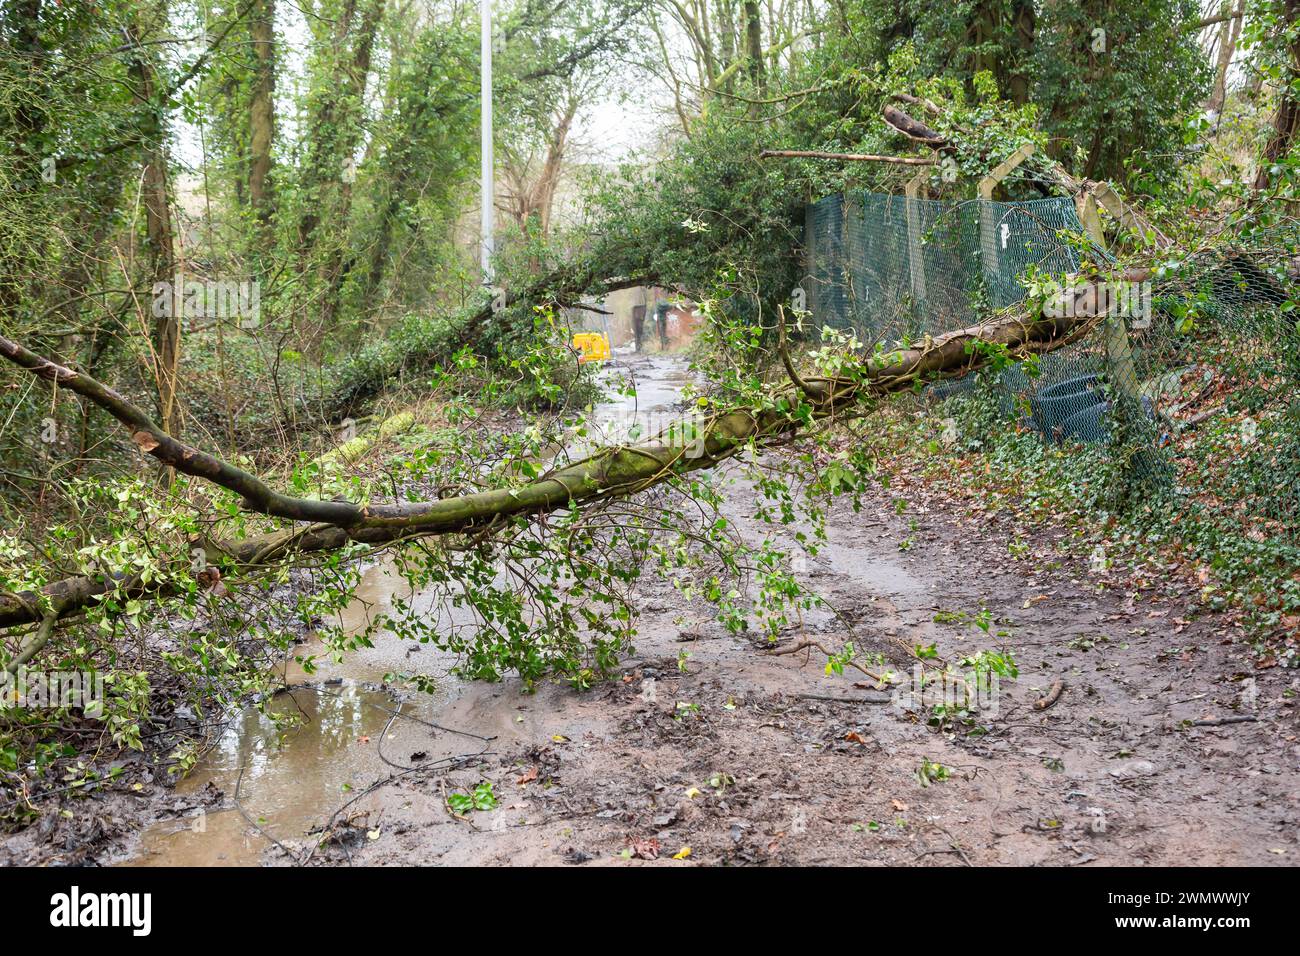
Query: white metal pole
{"type": "Point", "coordinates": [485, 145]}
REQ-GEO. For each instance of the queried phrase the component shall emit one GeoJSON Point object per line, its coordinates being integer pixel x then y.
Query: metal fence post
{"type": "Point", "coordinates": [1119, 351]}
{"type": "Point", "coordinates": [988, 227]}
{"type": "Point", "coordinates": [913, 191]}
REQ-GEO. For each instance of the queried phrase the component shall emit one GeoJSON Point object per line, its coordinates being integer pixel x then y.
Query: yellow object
{"type": "Point", "coordinates": [591, 346]}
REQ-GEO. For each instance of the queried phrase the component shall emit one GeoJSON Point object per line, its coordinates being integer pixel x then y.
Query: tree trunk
{"type": "Point", "coordinates": [983, 29]}
{"type": "Point", "coordinates": [1286, 121]}
{"type": "Point", "coordinates": [754, 46]}
{"type": "Point", "coordinates": [332, 272]}
{"type": "Point", "coordinates": [553, 167]}
{"type": "Point", "coordinates": [1024, 23]}
{"type": "Point", "coordinates": [616, 471]}
{"type": "Point", "coordinates": [261, 110]}
{"type": "Point", "coordinates": [334, 120]}
{"type": "Point", "coordinates": [727, 39]}
{"type": "Point", "coordinates": [162, 242]}
{"type": "Point", "coordinates": [1229, 30]}
{"type": "Point", "coordinates": [23, 17]}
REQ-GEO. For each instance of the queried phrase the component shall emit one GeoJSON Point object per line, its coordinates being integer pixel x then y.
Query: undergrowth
{"type": "Point", "coordinates": [1219, 525]}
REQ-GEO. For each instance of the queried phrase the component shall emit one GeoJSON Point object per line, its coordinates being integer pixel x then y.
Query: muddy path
{"type": "Point", "coordinates": [766, 772]}
{"type": "Point", "coordinates": [746, 757]}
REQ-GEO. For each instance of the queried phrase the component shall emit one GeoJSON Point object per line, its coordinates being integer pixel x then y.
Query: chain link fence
{"type": "Point", "coordinates": [1190, 389]}
{"type": "Point", "coordinates": [892, 269]}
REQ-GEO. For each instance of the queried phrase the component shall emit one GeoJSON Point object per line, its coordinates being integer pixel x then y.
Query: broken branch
{"type": "Point", "coordinates": [844, 157]}
{"type": "Point", "coordinates": [1051, 697]}
{"type": "Point", "coordinates": [615, 471]}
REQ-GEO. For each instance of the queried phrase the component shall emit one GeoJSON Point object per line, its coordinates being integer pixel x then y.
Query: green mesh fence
{"type": "Point", "coordinates": [892, 269]}
{"type": "Point", "coordinates": [1192, 391]}
{"type": "Point", "coordinates": [888, 267]}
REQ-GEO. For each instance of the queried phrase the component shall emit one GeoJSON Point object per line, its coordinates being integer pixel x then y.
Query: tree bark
{"type": "Point", "coordinates": [913, 128]}
{"type": "Point", "coordinates": [162, 240]}
{"type": "Point", "coordinates": [1024, 24]}
{"type": "Point", "coordinates": [332, 272]}
{"type": "Point", "coordinates": [982, 30]}
{"type": "Point", "coordinates": [754, 46]}
{"type": "Point", "coordinates": [1229, 30]}
{"type": "Point", "coordinates": [334, 120]}
{"type": "Point", "coordinates": [23, 17]}
{"type": "Point", "coordinates": [532, 202]}
{"type": "Point", "coordinates": [261, 110]}
{"type": "Point", "coordinates": [1286, 121]}
{"type": "Point", "coordinates": [727, 38]}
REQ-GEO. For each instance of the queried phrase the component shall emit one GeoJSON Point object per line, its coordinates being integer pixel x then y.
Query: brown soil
{"type": "Point", "coordinates": [760, 768]}
{"type": "Point", "coordinates": [747, 756]}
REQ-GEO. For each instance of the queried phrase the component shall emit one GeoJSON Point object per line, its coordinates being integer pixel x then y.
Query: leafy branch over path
{"type": "Point", "coordinates": [616, 470]}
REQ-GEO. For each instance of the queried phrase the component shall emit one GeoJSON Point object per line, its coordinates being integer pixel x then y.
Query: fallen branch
{"type": "Point", "coordinates": [926, 104]}
{"type": "Point", "coordinates": [1051, 697]}
{"type": "Point", "coordinates": [1217, 18]}
{"type": "Point", "coordinates": [614, 471]}
{"type": "Point", "coordinates": [783, 347]}
{"type": "Point", "coordinates": [913, 128]}
{"type": "Point", "coordinates": [1128, 215]}
{"type": "Point", "coordinates": [1199, 417]}
{"type": "Point", "coordinates": [31, 648]}
{"type": "Point", "coordinates": [844, 157]}
{"type": "Point", "coordinates": [810, 645]}
{"type": "Point", "coordinates": [1221, 721]}
{"type": "Point", "coordinates": [877, 699]}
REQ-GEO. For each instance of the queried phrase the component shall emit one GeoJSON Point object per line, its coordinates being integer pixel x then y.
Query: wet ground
{"type": "Point", "coordinates": [772, 761]}
{"type": "Point", "coordinates": [278, 785]}
{"type": "Point", "coordinates": [741, 753]}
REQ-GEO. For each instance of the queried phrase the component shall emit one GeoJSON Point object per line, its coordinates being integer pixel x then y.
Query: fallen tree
{"type": "Point", "coordinates": [617, 470]}
{"type": "Point", "coordinates": [1102, 193]}
{"type": "Point", "coordinates": [360, 380]}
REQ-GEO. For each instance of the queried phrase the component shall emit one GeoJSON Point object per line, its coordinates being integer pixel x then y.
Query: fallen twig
{"type": "Point", "coordinates": [1051, 697]}
{"type": "Point", "coordinates": [880, 699]}
{"type": "Point", "coordinates": [1201, 416]}
{"type": "Point", "coordinates": [446, 804]}
{"type": "Point", "coordinates": [1220, 721]}
{"type": "Point", "coordinates": [808, 645]}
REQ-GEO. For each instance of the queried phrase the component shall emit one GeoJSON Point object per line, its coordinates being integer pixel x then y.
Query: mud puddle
{"type": "Point", "coordinates": [280, 781]}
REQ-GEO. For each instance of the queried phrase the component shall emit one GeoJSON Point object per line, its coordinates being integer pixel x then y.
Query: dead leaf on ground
{"type": "Point", "coordinates": [646, 849]}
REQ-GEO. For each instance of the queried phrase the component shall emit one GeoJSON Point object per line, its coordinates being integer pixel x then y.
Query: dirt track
{"type": "Point", "coordinates": [1109, 774]}
{"type": "Point", "coordinates": [739, 757]}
